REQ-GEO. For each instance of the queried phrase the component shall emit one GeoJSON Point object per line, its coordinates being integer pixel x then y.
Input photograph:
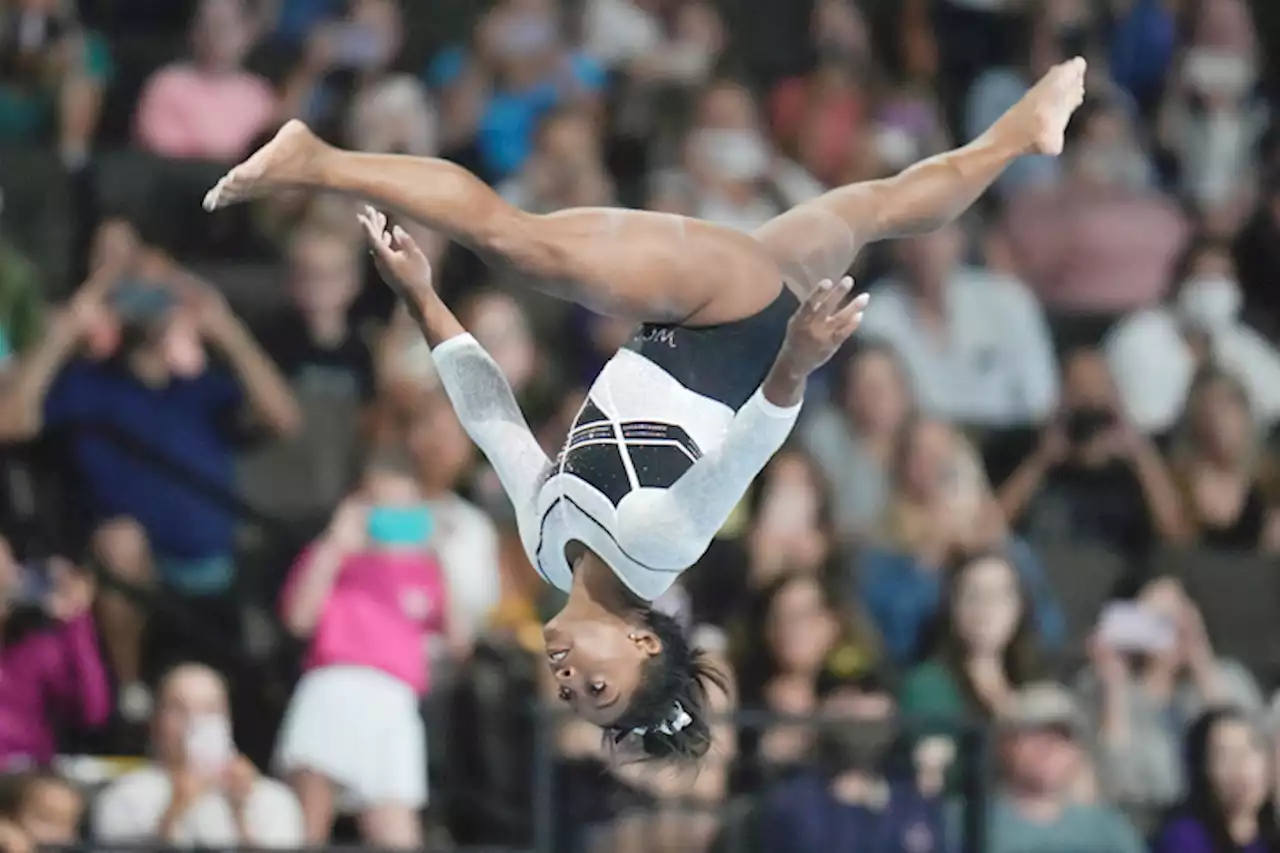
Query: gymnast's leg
{"type": "Point", "coordinates": [819, 239]}
{"type": "Point", "coordinates": [638, 265]}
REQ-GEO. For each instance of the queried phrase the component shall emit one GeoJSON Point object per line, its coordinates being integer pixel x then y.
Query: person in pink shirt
{"type": "Point", "coordinates": [370, 597]}
{"type": "Point", "coordinates": [209, 108]}
{"type": "Point", "coordinates": [50, 670]}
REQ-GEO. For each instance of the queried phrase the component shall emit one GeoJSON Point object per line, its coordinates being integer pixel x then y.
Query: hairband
{"type": "Point", "coordinates": [679, 719]}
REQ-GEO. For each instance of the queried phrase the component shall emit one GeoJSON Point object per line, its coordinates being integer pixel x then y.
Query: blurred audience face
{"type": "Point", "coordinates": [521, 39]}
{"type": "Point", "coordinates": [930, 462]}
{"type": "Point", "coordinates": [875, 393]}
{"type": "Point", "coordinates": [499, 324]}
{"type": "Point", "coordinates": [788, 532]}
{"type": "Point", "coordinates": [1042, 761]}
{"type": "Point", "coordinates": [860, 730]}
{"type": "Point", "coordinates": [395, 116]}
{"type": "Point", "coordinates": [1220, 420]}
{"type": "Point", "coordinates": [1166, 599]}
{"type": "Point", "coordinates": [569, 138]}
{"type": "Point", "coordinates": [1107, 155]}
{"type": "Point", "coordinates": [986, 605]}
{"type": "Point", "coordinates": [727, 147]}
{"type": "Point", "coordinates": [324, 275]}
{"type": "Point", "coordinates": [222, 34]}
{"type": "Point", "coordinates": [928, 260]}
{"type": "Point", "coordinates": [840, 33]}
{"type": "Point", "coordinates": [800, 626]}
{"type": "Point", "coordinates": [1237, 766]}
{"type": "Point", "coordinates": [50, 810]}
{"type": "Point", "coordinates": [439, 445]}
{"type": "Point", "coordinates": [188, 692]}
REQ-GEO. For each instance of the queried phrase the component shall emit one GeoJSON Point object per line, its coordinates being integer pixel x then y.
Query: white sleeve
{"type": "Point", "coordinates": [274, 817]}
{"type": "Point", "coordinates": [489, 413]}
{"type": "Point", "coordinates": [671, 528]}
{"type": "Point", "coordinates": [119, 818]}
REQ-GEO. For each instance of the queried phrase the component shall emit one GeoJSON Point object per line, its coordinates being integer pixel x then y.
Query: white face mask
{"type": "Point", "coordinates": [1216, 72]}
{"type": "Point", "coordinates": [1212, 301]}
{"type": "Point", "coordinates": [732, 155]}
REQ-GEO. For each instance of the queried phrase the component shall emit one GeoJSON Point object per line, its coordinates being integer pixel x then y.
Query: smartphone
{"type": "Point", "coordinates": [34, 585]}
{"type": "Point", "coordinates": [208, 743]}
{"type": "Point", "coordinates": [1129, 627]}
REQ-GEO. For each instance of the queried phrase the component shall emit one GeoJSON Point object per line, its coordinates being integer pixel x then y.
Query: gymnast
{"type": "Point", "coordinates": [685, 415]}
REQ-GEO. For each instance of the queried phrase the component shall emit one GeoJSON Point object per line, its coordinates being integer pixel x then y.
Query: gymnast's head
{"type": "Point", "coordinates": [628, 668]}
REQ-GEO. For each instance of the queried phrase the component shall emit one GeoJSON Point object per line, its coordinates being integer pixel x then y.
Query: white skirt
{"type": "Point", "coordinates": [363, 729]}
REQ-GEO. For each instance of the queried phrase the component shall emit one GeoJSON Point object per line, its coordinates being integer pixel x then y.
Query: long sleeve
{"type": "Point", "coordinates": [671, 528]}
{"type": "Point", "coordinates": [489, 413]}
{"type": "Point", "coordinates": [81, 686]}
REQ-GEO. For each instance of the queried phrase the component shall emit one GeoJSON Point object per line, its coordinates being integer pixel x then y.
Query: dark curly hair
{"type": "Point", "coordinates": [1202, 800]}
{"type": "Point", "coordinates": [668, 714]}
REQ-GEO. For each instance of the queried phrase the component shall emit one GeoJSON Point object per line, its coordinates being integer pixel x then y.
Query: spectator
{"type": "Point", "coordinates": [47, 809]}
{"type": "Point", "coordinates": [566, 168]}
{"type": "Point", "coordinates": [1220, 470]}
{"type": "Point", "coordinates": [1040, 761]}
{"type": "Point", "coordinates": [53, 673]}
{"type": "Point", "coordinates": [1104, 240]}
{"type": "Point", "coordinates": [853, 438]}
{"type": "Point", "coordinates": [210, 108]}
{"type": "Point", "coordinates": [1094, 479]}
{"type": "Point", "coordinates": [370, 597]}
{"type": "Point", "coordinates": [730, 173]}
{"type": "Point", "coordinates": [986, 647]}
{"type": "Point", "coordinates": [975, 343]}
{"type": "Point", "coordinates": [394, 115]}
{"type": "Point", "coordinates": [21, 303]}
{"type": "Point", "coordinates": [197, 791]}
{"type": "Point", "coordinates": [849, 798]}
{"type": "Point", "coordinates": [1229, 801]}
{"type": "Point", "coordinates": [466, 539]}
{"type": "Point", "coordinates": [806, 631]}
{"type": "Point", "coordinates": [1141, 703]}
{"type": "Point", "coordinates": [940, 505]}
{"type": "Point", "coordinates": [155, 388]}
{"type": "Point", "coordinates": [1154, 353]}
{"type": "Point", "coordinates": [53, 73]}
{"type": "Point", "coordinates": [653, 45]}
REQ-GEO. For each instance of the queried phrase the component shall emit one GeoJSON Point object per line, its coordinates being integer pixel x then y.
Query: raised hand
{"type": "Point", "coordinates": [821, 326]}
{"type": "Point", "coordinates": [402, 265]}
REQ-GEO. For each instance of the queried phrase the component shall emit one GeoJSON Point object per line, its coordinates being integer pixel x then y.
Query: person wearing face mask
{"type": "Point", "coordinates": [371, 599]}
{"type": "Point", "coordinates": [1229, 805]}
{"type": "Point", "coordinates": [680, 421]}
{"type": "Point", "coordinates": [1154, 353]}
{"type": "Point", "coordinates": [127, 353]}
{"type": "Point", "coordinates": [848, 800]}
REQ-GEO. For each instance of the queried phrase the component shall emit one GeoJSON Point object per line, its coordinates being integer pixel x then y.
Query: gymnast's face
{"type": "Point", "coordinates": [597, 664]}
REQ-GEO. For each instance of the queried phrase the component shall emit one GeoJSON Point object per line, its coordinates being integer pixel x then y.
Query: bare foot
{"type": "Point", "coordinates": [1051, 103]}
{"type": "Point", "coordinates": [281, 163]}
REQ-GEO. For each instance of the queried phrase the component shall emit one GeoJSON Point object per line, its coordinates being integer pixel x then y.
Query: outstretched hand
{"type": "Point", "coordinates": [400, 261]}
{"type": "Point", "coordinates": [821, 326]}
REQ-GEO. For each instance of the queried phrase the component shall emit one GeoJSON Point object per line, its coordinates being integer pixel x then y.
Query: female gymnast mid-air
{"type": "Point", "coordinates": [681, 419]}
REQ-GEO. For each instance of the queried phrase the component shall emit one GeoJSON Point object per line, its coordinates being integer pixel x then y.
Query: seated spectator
{"type": "Point", "coordinates": [986, 648]}
{"type": "Point", "coordinates": [371, 600]}
{"type": "Point", "coordinates": [1154, 353]}
{"type": "Point", "coordinates": [652, 48]}
{"type": "Point", "coordinates": [974, 342]}
{"type": "Point", "coordinates": [848, 798]}
{"type": "Point", "coordinates": [796, 633]}
{"type": "Point", "coordinates": [52, 670]}
{"type": "Point", "coordinates": [527, 70]}
{"type": "Point", "coordinates": [1218, 464]}
{"type": "Point", "coordinates": [1141, 701]}
{"type": "Point", "coordinates": [209, 108]}
{"type": "Point", "coordinates": [940, 505]}
{"type": "Point", "coordinates": [729, 172]}
{"type": "Point", "coordinates": [345, 59]}
{"type": "Point", "coordinates": [46, 808]}
{"type": "Point", "coordinates": [154, 388]}
{"type": "Point", "coordinates": [1104, 240]}
{"type": "Point", "coordinates": [853, 438]}
{"type": "Point", "coordinates": [53, 73]}
{"type": "Point", "coordinates": [565, 169]}
{"type": "Point", "coordinates": [197, 790]}
{"type": "Point", "coordinates": [1229, 803]}
{"type": "Point", "coordinates": [1041, 758]}
{"type": "Point", "coordinates": [1094, 479]}
{"type": "Point", "coordinates": [394, 115]}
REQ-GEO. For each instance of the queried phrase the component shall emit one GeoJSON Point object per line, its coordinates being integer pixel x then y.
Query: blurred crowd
{"type": "Point", "coordinates": [1032, 512]}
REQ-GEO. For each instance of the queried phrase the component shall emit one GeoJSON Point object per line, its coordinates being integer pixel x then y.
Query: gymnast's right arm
{"type": "Point", "coordinates": [472, 379]}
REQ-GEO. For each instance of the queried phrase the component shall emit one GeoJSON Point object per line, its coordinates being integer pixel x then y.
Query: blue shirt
{"type": "Point", "coordinates": [1188, 834]}
{"type": "Point", "coordinates": [184, 421]}
{"type": "Point", "coordinates": [903, 596]}
{"type": "Point", "coordinates": [801, 816]}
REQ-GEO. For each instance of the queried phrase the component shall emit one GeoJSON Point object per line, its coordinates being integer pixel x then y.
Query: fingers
{"type": "Point", "coordinates": [827, 297]}
{"type": "Point", "coordinates": [848, 318]}
{"type": "Point", "coordinates": [401, 241]}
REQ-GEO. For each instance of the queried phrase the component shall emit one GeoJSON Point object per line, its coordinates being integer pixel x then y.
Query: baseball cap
{"type": "Point", "coordinates": [1044, 705]}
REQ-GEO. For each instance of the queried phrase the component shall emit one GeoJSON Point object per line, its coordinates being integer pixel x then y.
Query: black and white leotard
{"type": "Point", "coordinates": [674, 430]}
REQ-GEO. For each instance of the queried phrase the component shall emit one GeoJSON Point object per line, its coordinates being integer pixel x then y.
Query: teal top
{"type": "Point", "coordinates": [29, 113]}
